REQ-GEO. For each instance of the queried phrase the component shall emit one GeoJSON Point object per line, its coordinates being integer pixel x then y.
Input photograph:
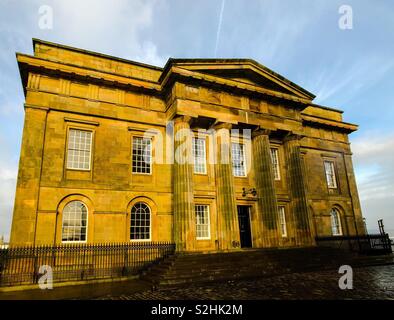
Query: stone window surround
{"type": "Point", "coordinates": [204, 163]}
{"type": "Point", "coordinates": [338, 226]}
{"type": "Point", "coordinates": [86, 222]}
{"type": "Point", "coordinates": [150, 222]}
{"type": "Point", "coordinates": [276, 165]}
{"type": "Point", "coordinates": [333, 166]}
{"type": "Point", "coordinates": [208, 224]}
{"type": "Point", "coordinates": [134, 136]}
{"type": "Point", "coordinates": [82, 126]}
{"type": "Point", "coordinates": [59, 216]}
{"type": "Point", "coordinates": [283, 220]}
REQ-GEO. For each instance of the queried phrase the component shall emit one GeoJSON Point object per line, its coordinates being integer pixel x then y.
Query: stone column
{"type": "Point", "coordinates": [228, 229]}
{"type": "Point", "coordinates": [265, 187]}
{"type": "Point", "coordinates": [296, 176]}
{"type": "Point", "coordinates": [184, 216]}
{"type": "Point", "coordinates": [23, 231]}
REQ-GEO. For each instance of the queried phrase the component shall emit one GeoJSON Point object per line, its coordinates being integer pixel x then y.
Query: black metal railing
{"type": "Point", "coordinates": [364, 244]}
{"type": "Point", "coordinates": [76, 262]}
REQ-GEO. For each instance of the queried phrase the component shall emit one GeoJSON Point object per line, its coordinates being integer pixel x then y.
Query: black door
{"type": "Point", "coordinates": [244, 227]}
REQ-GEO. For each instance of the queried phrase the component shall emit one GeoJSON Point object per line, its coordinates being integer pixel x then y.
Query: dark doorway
{"type": "Point", "coordinates": [244, 226]}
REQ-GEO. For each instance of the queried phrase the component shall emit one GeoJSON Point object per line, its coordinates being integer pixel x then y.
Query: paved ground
{"type": "Point", "coordinates": [368, 283]}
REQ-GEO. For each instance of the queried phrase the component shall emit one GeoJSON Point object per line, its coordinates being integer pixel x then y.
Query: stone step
{"type": "Point", "coordinates": [177, 272]}
{"type": "Point", "coordinates": [252, 274]}
{"type": "Point", "coordinates": [213, 259]}
{"type": "Point", "coordinates": [197, 264]}
{"type": "Point", "coordinates": [196, 267]}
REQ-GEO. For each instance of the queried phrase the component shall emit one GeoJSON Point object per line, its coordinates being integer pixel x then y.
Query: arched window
{"type": "Point", "coordinates": [140, 222]}
{"type": "Point", "coordinates": [74, 224]}
{"type": "Point", "coordinates": [336, 228]}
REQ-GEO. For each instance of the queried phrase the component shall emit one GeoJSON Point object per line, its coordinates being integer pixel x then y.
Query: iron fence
{"type": "Point", "coordinates": [364, 244]}
{"type": "Point", "coordinates": [75, 262]}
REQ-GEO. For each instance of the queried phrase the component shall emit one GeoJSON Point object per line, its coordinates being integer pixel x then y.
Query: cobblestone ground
{"type": "Point", "coordinates": [368, 283]}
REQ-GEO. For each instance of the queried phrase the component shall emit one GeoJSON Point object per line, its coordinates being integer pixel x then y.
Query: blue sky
{"type": "Point", "coordinates": [348, 69]}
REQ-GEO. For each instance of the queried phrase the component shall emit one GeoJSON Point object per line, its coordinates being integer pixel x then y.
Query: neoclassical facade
{"type": "Point", "coordinates": [212, 154]}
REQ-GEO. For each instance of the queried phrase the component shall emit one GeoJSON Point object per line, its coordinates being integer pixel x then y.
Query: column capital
{"type": "Point", "coordinates": [291, 136]}
{"type": "Point", "coordinates": [261, 132]}
{"type": "Point", "coordinates": [222, 125]}
{"type": "Point", "coordinates": [182, 119]}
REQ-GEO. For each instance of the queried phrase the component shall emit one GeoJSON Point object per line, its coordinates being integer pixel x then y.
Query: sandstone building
{"type": "Point", "coordinates": [268, 167]}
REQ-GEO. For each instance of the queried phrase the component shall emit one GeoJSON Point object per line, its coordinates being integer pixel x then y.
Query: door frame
{"type": "Point", "coordinates": [248, 207]}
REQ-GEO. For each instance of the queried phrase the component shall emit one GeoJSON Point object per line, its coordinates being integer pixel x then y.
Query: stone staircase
{"type": "Point", "coordinates": [184, 269]}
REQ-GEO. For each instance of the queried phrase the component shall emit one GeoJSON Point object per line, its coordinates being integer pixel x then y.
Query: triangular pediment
{"type": "Point", "coordinates": [245, 71]}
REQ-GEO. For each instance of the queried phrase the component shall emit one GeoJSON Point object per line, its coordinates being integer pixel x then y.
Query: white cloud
{"type": "Point", "coordinates": [8, 176]}
{"type": "Point", "coordinates": [110, 26]}
{"type": "Point", "coordinates": [348, 80]}
{"type": "Point", "coordinates": [373, 156]}
{"type": "Point", "coordinates": [148, 54]}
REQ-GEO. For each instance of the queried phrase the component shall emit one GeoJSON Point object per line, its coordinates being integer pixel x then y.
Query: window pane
{"type": "Point", "coordinates": [199, 153]}
{"type": "Point", "coordinates": [282, 221]}
{"type": "Point", "coordinates": [202, 222]}
{"type": "Point", "coordinates": [74, 224]}
{"type": "Point", "coordinates": [140, 222]}
{"type": "Point", "coordinates": [79, 149]}
{"type": "Point", "coordinates": [330, 174]}
{"type": "Point", "coordinates": [142, 155]}
{"type": "Point", "coordinates": [336, 228]}
{"type": "Point", "coordinates": [275, 163]}
{"type": "Point", "coordinates": [238, 159]}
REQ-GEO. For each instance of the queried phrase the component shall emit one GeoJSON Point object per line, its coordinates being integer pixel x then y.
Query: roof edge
{"type": "Point", "coordinates": [93, 53]}
{"type": "Point", "coordinates": [325, 107]}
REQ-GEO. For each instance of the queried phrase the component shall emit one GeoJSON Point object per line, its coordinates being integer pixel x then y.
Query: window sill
{"type": "Point", "coordinates": [82, 170]}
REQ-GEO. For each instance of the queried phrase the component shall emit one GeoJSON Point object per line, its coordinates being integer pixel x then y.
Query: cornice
{"type": "Point", "coordinates": [45, 66]}
{"type": "Point", "coordinates": [320, 121]}
{"type": "Point", "coordinates": [93, 53]}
